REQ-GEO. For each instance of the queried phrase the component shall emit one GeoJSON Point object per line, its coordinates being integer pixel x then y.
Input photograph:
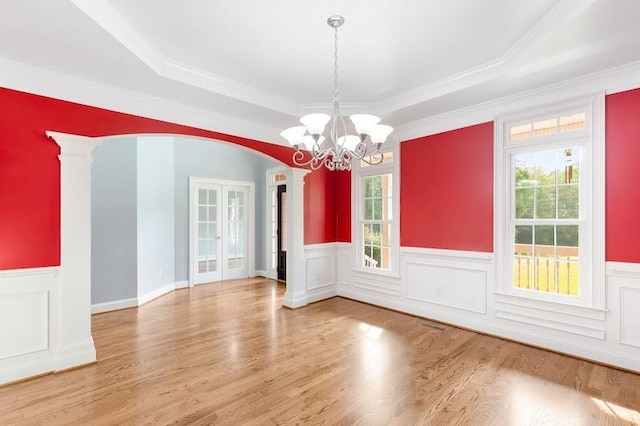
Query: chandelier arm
{"type": "Point", "coordinates": [376, 157]}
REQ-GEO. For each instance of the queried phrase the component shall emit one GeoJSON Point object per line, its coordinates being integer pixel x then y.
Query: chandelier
{"type": "Point", "coordinates": [341, 147]}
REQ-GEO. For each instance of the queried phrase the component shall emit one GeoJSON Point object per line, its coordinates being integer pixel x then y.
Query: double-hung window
{"type": "Point", "coordinates": [550, 202]}
{"type": "Point", "coordinates": [376, 230]}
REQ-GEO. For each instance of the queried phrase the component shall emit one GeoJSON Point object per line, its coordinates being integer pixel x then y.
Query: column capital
{"type": "Point", "coordinates": [296, 172]}
{"type": "Point", "coordinates": [74, 145]}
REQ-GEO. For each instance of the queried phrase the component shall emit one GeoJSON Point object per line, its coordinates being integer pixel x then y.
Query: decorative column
{"type": "Point", "coordinates": [296, 294]}
{"type": "Point", "coordinates": [75, 345]}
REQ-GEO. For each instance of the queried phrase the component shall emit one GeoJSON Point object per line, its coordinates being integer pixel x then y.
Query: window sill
{"type": "Point", "coordinates": [555, 306]}
{"type": "Point", "coordinates": [376, 272]}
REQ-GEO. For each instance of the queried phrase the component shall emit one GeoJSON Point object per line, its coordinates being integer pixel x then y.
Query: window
{"type": "Point", "coordinates": [377, 215]}
{"type": "Point", "coordinates": [376, 230]}
{"type": "Point", "coordinates": [550, 204]}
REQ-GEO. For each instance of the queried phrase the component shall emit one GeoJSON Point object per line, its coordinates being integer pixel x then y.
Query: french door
{"type": "Point", "coordinates": [220, 243]}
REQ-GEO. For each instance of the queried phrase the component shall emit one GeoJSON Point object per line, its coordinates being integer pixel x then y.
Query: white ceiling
{"type": "Point", "coordinates": [269, 61]}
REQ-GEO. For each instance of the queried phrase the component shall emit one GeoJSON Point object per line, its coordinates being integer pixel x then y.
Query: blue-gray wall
{"type": "Point", "coordinates": [114, 269]}
{"type": "Point", "coordinates": [140, 209]}
{"type": "Point", "coordinates": [156, 248]}
{"type": "Point", "coordinates": [201, 158]}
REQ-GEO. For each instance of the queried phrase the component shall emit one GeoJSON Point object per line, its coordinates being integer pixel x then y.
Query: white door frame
{"type": "Point", "coordinates": [270, 186]}
{"type": "Point", "coordinates": [250, 218]}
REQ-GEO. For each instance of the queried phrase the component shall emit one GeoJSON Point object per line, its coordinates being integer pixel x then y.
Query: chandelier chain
{"type": "Point", "coordinates": [336, 93]}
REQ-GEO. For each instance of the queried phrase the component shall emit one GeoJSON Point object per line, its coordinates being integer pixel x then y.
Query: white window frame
{"type": "Point", "coordinates": [358, 172]}
{"type": "Point", "coordinates": [592, 199]}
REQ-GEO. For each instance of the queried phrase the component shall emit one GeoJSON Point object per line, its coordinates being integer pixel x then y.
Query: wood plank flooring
{"type": "Point", "coordinates": [229, 354]}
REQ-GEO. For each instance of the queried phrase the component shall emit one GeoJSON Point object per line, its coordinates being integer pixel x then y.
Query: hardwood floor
{"type": "Point", "coordinates": [229, 354]}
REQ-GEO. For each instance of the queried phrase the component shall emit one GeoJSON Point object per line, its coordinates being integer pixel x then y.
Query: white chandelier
{"type": "Point", "coordinates": [343, 147]}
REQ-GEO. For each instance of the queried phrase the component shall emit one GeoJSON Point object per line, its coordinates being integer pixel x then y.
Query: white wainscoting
{"type": "Point", "coordinates": [321, 271]}
{"type": "Point", "coordinates": [458, 288]}
{"type": "Point", "coordinates": [29, 325]}
{"type": "Point", "coordinates": [623, 299]}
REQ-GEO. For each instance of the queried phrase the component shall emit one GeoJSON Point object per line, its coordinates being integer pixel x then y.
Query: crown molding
{"type": "Point", "coordinates": [610, 81]}
{"type": "Point", "coordinates": [27, 78]}
{"type": "Point", "coordinates": [564, 11]}
{"type": "Point", "coordinates": [103, 14]}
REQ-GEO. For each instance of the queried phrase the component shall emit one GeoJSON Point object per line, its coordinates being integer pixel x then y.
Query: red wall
{"type": "Point", "coordinates": [623, 177]}
{"type": "Point", "coordinates": [327, 205]}
{"type": "Point", "coordinates": [446, 190]}
{"type": "Point", "coordinates": [446, 180]}
{"type": "Point", "coordinates": [319, 207]}
{"type": "Point", "coordinates": [30, 170]}
{"type": "Point", "coordinates": [342, 185]}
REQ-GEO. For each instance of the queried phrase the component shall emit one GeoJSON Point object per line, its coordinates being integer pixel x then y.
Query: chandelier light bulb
{"type": "Point", "coordinates": [315, 123]}
{"type": "Point", "coordinates": [364, 122]}
{"type": "Point", "coordinates": [379, 133]}
{"type": "Point", "coordinates": [293, 135]}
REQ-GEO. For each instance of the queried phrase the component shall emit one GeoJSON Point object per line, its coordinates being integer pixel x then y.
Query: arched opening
{"type": "Point", "coordinates": [75, 247]}
{"type": "Point", "coordinates": [170, 211]}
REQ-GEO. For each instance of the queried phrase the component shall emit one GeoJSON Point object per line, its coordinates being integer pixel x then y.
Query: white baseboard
{"type": "Point", "coordinates": [116, 305]}
{"type": "Point", "coordinates": [181, 284]}
{"type": "Point", "coordinates": [260, 273]}
{"type": "Point", "coordinates": [319, 294]}
{"type": "Point", "coordinates": [22, 370]}
{"type": "Point", "coordinates": [146, 298]}
{"type": "Point", "coordinates": [76, 355]}
{"type": "Point", "coordinates": [476, 323]}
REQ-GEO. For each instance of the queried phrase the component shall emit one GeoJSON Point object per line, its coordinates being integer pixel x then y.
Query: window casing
{"type": "Point", "coordinates": [550, 203]}
{"type": "Point", "coordinates": [375, 200]}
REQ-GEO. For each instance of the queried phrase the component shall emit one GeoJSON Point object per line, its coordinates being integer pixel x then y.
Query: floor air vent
{"type": "Point", "coordinates": [435, 327]}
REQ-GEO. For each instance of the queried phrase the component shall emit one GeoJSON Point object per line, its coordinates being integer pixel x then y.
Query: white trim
{"type": "Point", "coordinates": [122, 30]}
{"type": "Point", "coordinates": [152, 295]}
{"type": "Point", "coordinates": [623, 269]}
{"type": "Point", "coordinates": [98, 308]}
{"type": "Point", "coordinates": [323, 293]}
{"type": "Point", "coordinates": [77, 354]}
{"type": "Point", "coordinates": [310, 248]}
{"type": "Point", "coordinates": [592, 200]}
{"type": "Point", "coordinates": [504, 329]}
{"type": "Point", "coordinates": [270, 187]}
{"type": "Point", "coordinates": [296, 293]}
{"type": "Point", "coordinates": [358, 172]}
{"type": "Point", "coordinates": [33, 338]}
{"type": "Point", "coordinates": [74, 310]}
{"type": "Point", "coordinates": [260, 273]}
{"type": "Point", "coordinates": [448, 254]}
{"type": "Point", "coordinates": [250, 222]}
{"type": "Point", "coordinates": [26, 78]}
{"type": "Point", "coordinates": [118, 27]}
{"type": "Point", "coordinates": [181, 284]}
{"type": "Point", "coordinates": [613, 80]}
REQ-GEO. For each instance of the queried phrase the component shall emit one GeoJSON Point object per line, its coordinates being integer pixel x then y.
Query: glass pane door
{"type": "Point", "coordinates": [236, 227]}
{"type": "Point", "coordinates": [208, 236]}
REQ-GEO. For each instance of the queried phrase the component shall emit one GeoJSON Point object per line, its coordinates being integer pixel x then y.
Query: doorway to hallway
{"type": "Point", "coordinates": [221, 231]}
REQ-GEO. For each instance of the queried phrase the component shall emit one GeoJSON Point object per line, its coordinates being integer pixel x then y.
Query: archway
{"type": "Point", "coordinates": [75, 246]}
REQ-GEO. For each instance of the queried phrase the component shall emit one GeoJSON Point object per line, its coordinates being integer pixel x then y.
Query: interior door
{"type": "Point", "coordinates": [208, 238]}
{"type": "Point", "coordinates": [219, 232]}
{"type": "Point", "coordinates": [282, 233]}
{"type": "Point", "coordinates": [235, 238]}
